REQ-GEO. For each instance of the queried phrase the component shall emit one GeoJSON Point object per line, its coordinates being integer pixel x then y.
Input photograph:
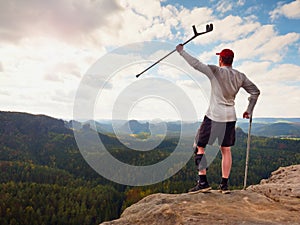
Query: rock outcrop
{"type": "Point", "coordinates": [273, 201]}
{"type": "Point", "coordinates": [283, 186]}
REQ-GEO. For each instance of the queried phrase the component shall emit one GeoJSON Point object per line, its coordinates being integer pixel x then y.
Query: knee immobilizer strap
{"type": "Point", "coordinates": [200, 161]}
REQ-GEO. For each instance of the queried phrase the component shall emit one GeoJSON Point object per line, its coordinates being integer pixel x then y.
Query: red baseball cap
{"type": "Point", "coordinates": [226, 53]}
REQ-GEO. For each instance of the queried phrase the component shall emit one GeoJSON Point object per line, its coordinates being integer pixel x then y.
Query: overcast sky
{"type": "Point", "coordinates": [47, 47]}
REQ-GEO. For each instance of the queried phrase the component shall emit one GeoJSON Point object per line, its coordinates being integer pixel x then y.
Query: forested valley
{"type": "Point", "coordinates": [45, 180]}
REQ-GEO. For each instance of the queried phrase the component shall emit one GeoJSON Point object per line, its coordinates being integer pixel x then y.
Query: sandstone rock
{"type": "Point", "coordinates": [274, 201]}
{"type": "Point", "coordinates": [283, 186]}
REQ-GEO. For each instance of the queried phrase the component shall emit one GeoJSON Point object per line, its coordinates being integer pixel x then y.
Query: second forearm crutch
{"type": "Point", "coordinates": [247, 152]}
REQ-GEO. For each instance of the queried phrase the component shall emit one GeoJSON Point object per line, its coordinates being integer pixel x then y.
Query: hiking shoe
{"type": "Point", "coordinates": [200, 188]}
{"type": "Point", "coordinates": [223, 188]}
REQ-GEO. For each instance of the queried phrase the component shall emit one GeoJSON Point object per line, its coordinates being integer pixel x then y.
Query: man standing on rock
{"type": "Point", "coordinates": [220, 119]}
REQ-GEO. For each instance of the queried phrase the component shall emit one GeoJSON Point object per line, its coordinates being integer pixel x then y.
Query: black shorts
{"type": "Point", "coordinates": [210, 130]}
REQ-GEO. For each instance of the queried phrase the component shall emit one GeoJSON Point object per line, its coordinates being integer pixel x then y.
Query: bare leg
{"type": "Point", "coordinates": [226, 161]}
{"type": "Point", "coordinates": [201, 150]}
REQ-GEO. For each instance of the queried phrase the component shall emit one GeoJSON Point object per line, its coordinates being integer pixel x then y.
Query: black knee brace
{"type": "Point", "coordinates": [200, 161]}
{"type": "Point", "coordinates": [195, 149]}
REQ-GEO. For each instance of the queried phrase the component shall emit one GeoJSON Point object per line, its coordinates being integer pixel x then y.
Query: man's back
{"type": "Point", "coordinates": [225, 83]}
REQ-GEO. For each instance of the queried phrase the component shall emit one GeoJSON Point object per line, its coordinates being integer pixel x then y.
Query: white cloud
{"type": "Point", "coordinates": [276, 48]}
{"type": "Point", "coordinates": [290, 10]}
{"type": "Point", "coordinates": [63, 96]}
{"type": "Point", "coordinates": [255, 70]}
{"type": "Point", "coordinates": [266, 73]}
{"type": "Point", "coordinates": [63, 70]}
{"type": "Point", "coordinates": [196, 16]}
{"type": "Point", "coordinates": [224, 6]}
{"type": "Point", "coordinates": [140, 23]}
{"type": "Point", "coordinates": [39, 58]}
{"type": "Point", "coordinates": [262, 43]}
{"type": "Point", "coordinates": [241, 2]}
{"type": "Point", "coordinates": [153, 9]}
{"type": "Point", "coordinates": [283, 73]}
{"type": "Point", "coordinates": [4, 92]}
{"type": "Point", "coordinates": [277, 100]}
{"type": "Point", "coordinates": [278, 85]}
{"type": "Point", "coordinates": [65, 19]}
{"type": "Point", "coordinates": [230, 28]}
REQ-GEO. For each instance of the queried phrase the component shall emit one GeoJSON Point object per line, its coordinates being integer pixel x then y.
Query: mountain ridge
{"type": "Point", "coordinates": [268, 127]}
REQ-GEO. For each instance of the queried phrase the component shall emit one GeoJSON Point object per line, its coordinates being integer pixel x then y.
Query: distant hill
{"type": "Point", "coordinates": [279, 129]}
{"type": "Point", "coordinates": [275, 120]}
{"type": "Point", "coordinates": [42, 124]}
{"type": "Point", "coordinates": [267, 127]}
{"type": "Point", "coordinates": [135, 127]}
{"type": "Point", "coordinates": [26, 123]}
{"type": "Point", "coordinates": [273, 128]}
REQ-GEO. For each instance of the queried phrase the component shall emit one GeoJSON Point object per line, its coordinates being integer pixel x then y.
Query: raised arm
{"type": "Point", "coordinates": [193, 62]}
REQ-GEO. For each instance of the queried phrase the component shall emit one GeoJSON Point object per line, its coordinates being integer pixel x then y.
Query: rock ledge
{"type": "Point", "coordinates": [274, 201]}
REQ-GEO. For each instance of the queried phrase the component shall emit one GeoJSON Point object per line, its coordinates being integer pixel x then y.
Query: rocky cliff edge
{"type": "Point", "coordinates": [274, 201]}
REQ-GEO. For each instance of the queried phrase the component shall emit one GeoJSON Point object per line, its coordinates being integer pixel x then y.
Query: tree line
{"type": "Point", "coordinates": [45, 180]}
